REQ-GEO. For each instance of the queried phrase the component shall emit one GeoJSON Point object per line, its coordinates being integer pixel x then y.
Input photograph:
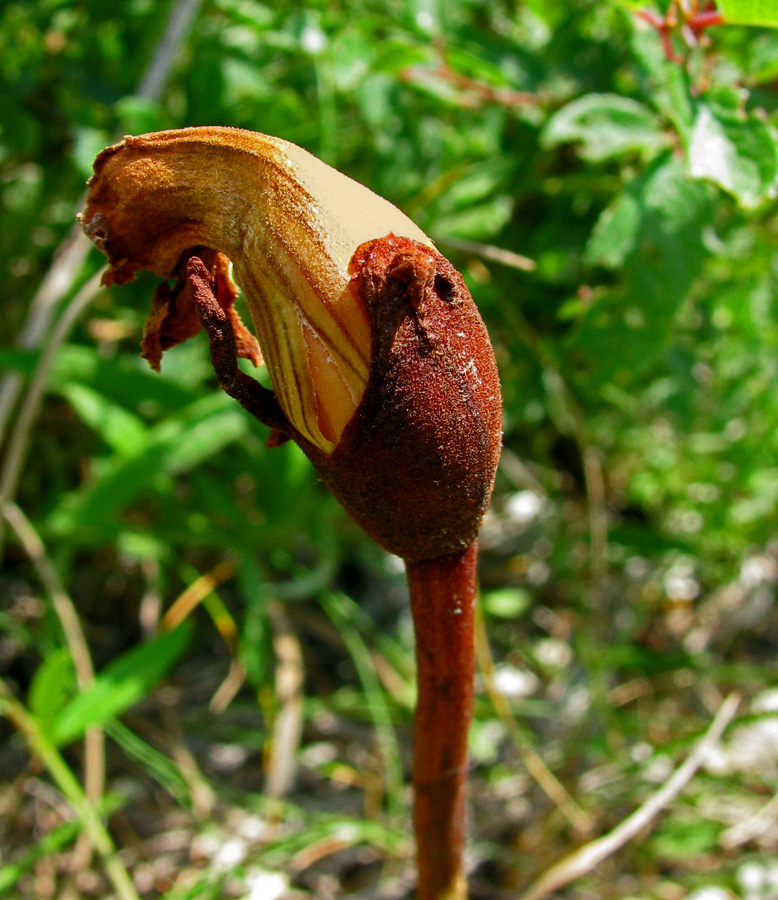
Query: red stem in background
{"type": "Point", "coordinates": [443, 603]}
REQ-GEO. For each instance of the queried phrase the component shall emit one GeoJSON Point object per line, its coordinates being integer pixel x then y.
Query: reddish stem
{"type": "Point", "coordinates": [706, 20]}
{"type": "Point", "coordinates": [442, 602]}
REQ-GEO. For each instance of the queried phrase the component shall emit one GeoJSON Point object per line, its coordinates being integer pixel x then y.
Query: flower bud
{"type": "Point", "coordinates": [381, 367]}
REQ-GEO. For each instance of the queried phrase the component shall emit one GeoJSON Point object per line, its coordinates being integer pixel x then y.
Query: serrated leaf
{"type": "Point", "coordinates": [121, 684]}
{"type": "Point", "coordinates": [605, 125]}
{"type": "Point", "coordinates": [736, 151]}
{"type": "Point", "coordinates": [750, 12]}
{"type": "Point", "coordinates": [628, 328]}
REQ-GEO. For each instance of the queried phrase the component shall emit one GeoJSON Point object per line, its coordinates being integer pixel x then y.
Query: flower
{"type": "Point", "coordinates": [381, 367]}
{"type": "Point", "coordinates": [382, 373]}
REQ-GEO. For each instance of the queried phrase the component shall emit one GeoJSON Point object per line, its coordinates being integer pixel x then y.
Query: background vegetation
{"type": "Point", "coordinates": [613, 211]}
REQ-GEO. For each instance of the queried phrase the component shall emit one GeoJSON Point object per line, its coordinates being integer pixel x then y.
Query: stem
{"type": "Point", "coordinates": [443, 603]}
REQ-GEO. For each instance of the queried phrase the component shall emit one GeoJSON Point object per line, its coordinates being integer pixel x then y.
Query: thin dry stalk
{"type": "Point", "coordinates": [94, 739]}
{"type": "Point", "coordinates": [491, 253]}
{"type": "Point", "coordinates": [288, 726]}
{"type": "Point", "coordinates": [192, 596]}
{"type": "Point", "coordinates": [94, 749]}
{"type": "Point", "coordinates": [750, 828]}
{"type": "Point", "coordinates": [583, 860]}
{"type": "Point", "coordinates": [532, 762]}
{"type": "Point", "coordinates": [182, 608]}
{"type": "Point", "coordinates": [68, 784]}
{"type": "Point", "coordinates": [228, 689]}
{"type": "Point", "coordinates": [68, 259]}
{"type": "Point", "coordinates": [180, 20]}
{"type": "Point", "coordinates": [200, 791]}
{"type": "Point", "coordinates": [73, 251]}
{"type": "Point", "coordinates": [19, 440]}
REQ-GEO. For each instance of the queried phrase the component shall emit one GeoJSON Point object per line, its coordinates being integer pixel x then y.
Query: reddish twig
{"type": "Point", "coordinates": [688, 20]}
{"type": "Point", "coordinates": [479, 91]}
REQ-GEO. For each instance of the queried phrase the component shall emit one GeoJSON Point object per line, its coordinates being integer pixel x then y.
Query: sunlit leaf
{"type": "Point", "coordinates": [175, 445]}
{"type": "Point", "coordinates": [735, 150]}
{"type": "Point", "coordinates": [51, 686]}
{"type": "Point", "coordinates": [750, 12]}
{"type": "Point", "coordinates": [122, 683]}
{"type": "Point", "coordinates": [124, 432]}
{"type": "Point", "coordinates": [605, 126]}
{"type": "Point", "coordinates": [627, 328]}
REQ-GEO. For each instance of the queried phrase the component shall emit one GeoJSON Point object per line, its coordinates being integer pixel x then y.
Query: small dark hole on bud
{"type": "Point", "coordinates": [445, 289]}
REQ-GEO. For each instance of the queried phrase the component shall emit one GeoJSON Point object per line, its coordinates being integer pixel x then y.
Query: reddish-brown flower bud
{"type": "Point", "coordinates": [415, 465]}
{"type": "Point", "coordinates": [381, 366]}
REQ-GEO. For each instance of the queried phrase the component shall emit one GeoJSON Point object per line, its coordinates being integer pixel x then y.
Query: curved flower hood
{"type": "Point", "coordinates": [290, 225]}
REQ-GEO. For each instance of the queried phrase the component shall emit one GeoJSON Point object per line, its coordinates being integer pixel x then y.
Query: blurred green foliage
{"type": "Point", "coordinates": [632, 538]}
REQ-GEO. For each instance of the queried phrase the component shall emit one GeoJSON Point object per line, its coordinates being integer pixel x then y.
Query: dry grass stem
{"type": "Point", "coordinates": [752, 827]}
{"type": "Point", "coordinates": [531, 761]}
{"type": "Point", "coordinates": [281, 763]}
{"type": "Point", "coordinates": [19, 440]}
{"type": "Point", "coordinates": [491, 253]}
{"type": "Point", "coordinates": [74, 249]}
{"type": "Point", "coordinates": [583, 860]}
{"type": "Point", "coordinates": [94, 763]}
{"type": "Point", "coordinates": [68, 259]}
{"type": "Point", "coordinates": [94, 739]}
{"type": "Point", "coordinates": [68, 784]}
{"type": "Point", "coordinates": [192, 596]}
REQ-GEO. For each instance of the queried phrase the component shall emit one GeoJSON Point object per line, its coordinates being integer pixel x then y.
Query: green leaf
{"type": "Point", "coordinates": [750, 12]}
{"type": "Point", "coordinates": [479, 222]}
{"type": "Point", "coordinates": [176, 445]}
{"type": "Point", "coordinates": [629, 327]}
{"type": "Point", "coordinates": [87, 144]}
{"type": "Point", "coordinates": [137, 115]}
{"type": "Point", "coordinates": [124, 432]}
{"type": "Point", "coordinates": [52, 685]}
{"type": "Point", "coordinates": [616, 232]}
{"type": "Point", "coordinates": [160, 767]}
{"type": "Point", "coordinates": [18, 360]}
{"type": "Point", "coordinates": [507, 602]}
{"type": "Point", "coordinates": [121, 684]}
{"type": "Point", "coordinates": [605, 126]}
{"type": "Point", "coordinates": [127, 381]}
{"type": "Point", "coordinates": [677, 839]}
{"type": "Point", "coordinates": [735, 150]}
